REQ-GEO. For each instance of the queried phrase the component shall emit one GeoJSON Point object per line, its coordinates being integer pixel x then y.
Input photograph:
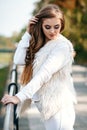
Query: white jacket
{"type": "Point", "coordinates": [51, 87]}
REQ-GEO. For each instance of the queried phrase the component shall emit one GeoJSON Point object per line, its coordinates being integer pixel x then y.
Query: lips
{"type": "Point", "coordinates": [52, 35]}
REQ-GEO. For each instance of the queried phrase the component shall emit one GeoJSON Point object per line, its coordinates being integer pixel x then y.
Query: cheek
{"type": "Point", "coordinates": [45, 31]}
{"type": "Point", "coordinates": [58, 31]}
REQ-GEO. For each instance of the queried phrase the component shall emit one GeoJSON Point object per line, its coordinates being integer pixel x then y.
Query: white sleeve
{"type": "Point", "coordinates": [70, 46]}
{"type": "Point", "coordinates": [20, 53]}
{"type": "Point", "coordinates": [55, 61]}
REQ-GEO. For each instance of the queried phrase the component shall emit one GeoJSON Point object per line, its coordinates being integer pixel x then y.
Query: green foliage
{"type": "Point", "coordinates": [6, 58]}
{"type": "Point", "coordinates": [17, 36]}
{"type": "Point", "coordinates": [21, 34]}
{"type": "Point", "coordinates": [84, 18]}
{"type": "Point", "coordinates": [6, 43]}
{"type": "Point", "coordinates": [3, 79]}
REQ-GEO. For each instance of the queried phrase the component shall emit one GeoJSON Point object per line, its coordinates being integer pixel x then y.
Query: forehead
{"type": "Point", "coordinates": [51, 21]}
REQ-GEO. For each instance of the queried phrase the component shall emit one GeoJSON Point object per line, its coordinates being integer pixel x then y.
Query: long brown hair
{"type": "Point", "coordinates": [38, 38]}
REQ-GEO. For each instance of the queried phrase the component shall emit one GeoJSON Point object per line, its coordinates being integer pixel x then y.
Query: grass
{"type": "Point", "coordinates": [5, 58]}
{"type": "Point", "coordinates": [3, 78]}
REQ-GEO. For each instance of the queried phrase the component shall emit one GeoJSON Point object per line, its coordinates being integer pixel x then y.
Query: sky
{"type": "Point", "coordinates": [14, 15]}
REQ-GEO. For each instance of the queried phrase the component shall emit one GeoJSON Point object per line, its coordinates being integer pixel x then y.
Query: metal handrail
{"type": "Point", "coordinates": [11, 122]}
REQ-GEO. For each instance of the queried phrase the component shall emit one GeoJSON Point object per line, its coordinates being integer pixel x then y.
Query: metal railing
{"type": "Point", "coordinates": [11, 122]}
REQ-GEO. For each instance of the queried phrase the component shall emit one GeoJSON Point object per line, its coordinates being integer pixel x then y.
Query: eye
{"type": "Point", "coordinates": [47, 26]}
{"type": "Point", "coordinates": [57, 26]}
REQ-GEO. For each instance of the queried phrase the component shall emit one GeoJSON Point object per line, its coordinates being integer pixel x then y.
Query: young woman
{"type": "Point", "coordinates": [47, 56]}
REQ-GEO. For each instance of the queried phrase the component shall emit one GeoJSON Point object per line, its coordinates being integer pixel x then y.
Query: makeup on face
{"type": "Point", "coordinates": [51, 27]}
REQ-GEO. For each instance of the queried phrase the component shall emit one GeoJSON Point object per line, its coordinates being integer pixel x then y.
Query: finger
{"type": "Point", "coordinates": [5, 98]}
{"type": "Point", "coordinates": [6, 101]}
{"type": "Point", "coordinates": [34, 20]}
{"type": "Point", "coordinates": [6, 95]}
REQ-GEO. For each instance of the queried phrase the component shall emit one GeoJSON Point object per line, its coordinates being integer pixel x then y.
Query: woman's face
{"type": "Point", "coordinates": [51, 28]}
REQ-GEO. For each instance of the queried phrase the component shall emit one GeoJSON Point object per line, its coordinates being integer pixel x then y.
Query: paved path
{"type": "Point", "coordinates": [80, 81]}
{"type": "Point", "coordinates": [31, 118]}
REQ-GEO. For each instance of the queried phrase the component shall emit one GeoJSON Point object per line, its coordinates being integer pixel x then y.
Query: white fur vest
{"type": "Point", "coordinates": [51, 87]}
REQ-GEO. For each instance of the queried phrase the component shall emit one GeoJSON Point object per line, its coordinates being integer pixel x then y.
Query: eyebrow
{"type": "Point", "coordinates": [57, 24]}
{"type": "Point", "coordinates": [50, 25]}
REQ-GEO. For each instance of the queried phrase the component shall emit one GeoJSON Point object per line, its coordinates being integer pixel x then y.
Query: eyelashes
{"type": "Point", "coordinates": [49, 27]}
{"type": "Point", "coordinates": [57, 26]}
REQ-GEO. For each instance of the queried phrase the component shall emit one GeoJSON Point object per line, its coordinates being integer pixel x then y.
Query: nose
{"type": "Point", "coordinates": [52, 30]}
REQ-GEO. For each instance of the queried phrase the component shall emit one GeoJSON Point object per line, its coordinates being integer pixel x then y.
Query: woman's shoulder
{"type": "Point", "coordinates": [63, 38]}
{"type": "Point", "coordinates": [64, 41]}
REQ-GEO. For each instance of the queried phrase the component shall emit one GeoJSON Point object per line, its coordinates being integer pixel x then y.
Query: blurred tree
{"type": "Point", "coordinates": [6, 43]}
{"type": "Point", "coordinates": [17, 36]}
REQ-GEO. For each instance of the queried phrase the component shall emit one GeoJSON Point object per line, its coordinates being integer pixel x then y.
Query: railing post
{"type": "Point", "coordinates": [15, 119]}
{"type": "Point", "coordinates": [11, 122]}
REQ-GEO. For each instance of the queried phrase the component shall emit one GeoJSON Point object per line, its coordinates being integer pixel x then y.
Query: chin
{"type": "Point", "coordinates": [54, 38]}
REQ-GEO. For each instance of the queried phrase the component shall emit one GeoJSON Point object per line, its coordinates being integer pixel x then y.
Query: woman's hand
{"type": "Point", "coordinates": [33, 20]}
{"type": "Point", "coordinates": [10, 99]}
